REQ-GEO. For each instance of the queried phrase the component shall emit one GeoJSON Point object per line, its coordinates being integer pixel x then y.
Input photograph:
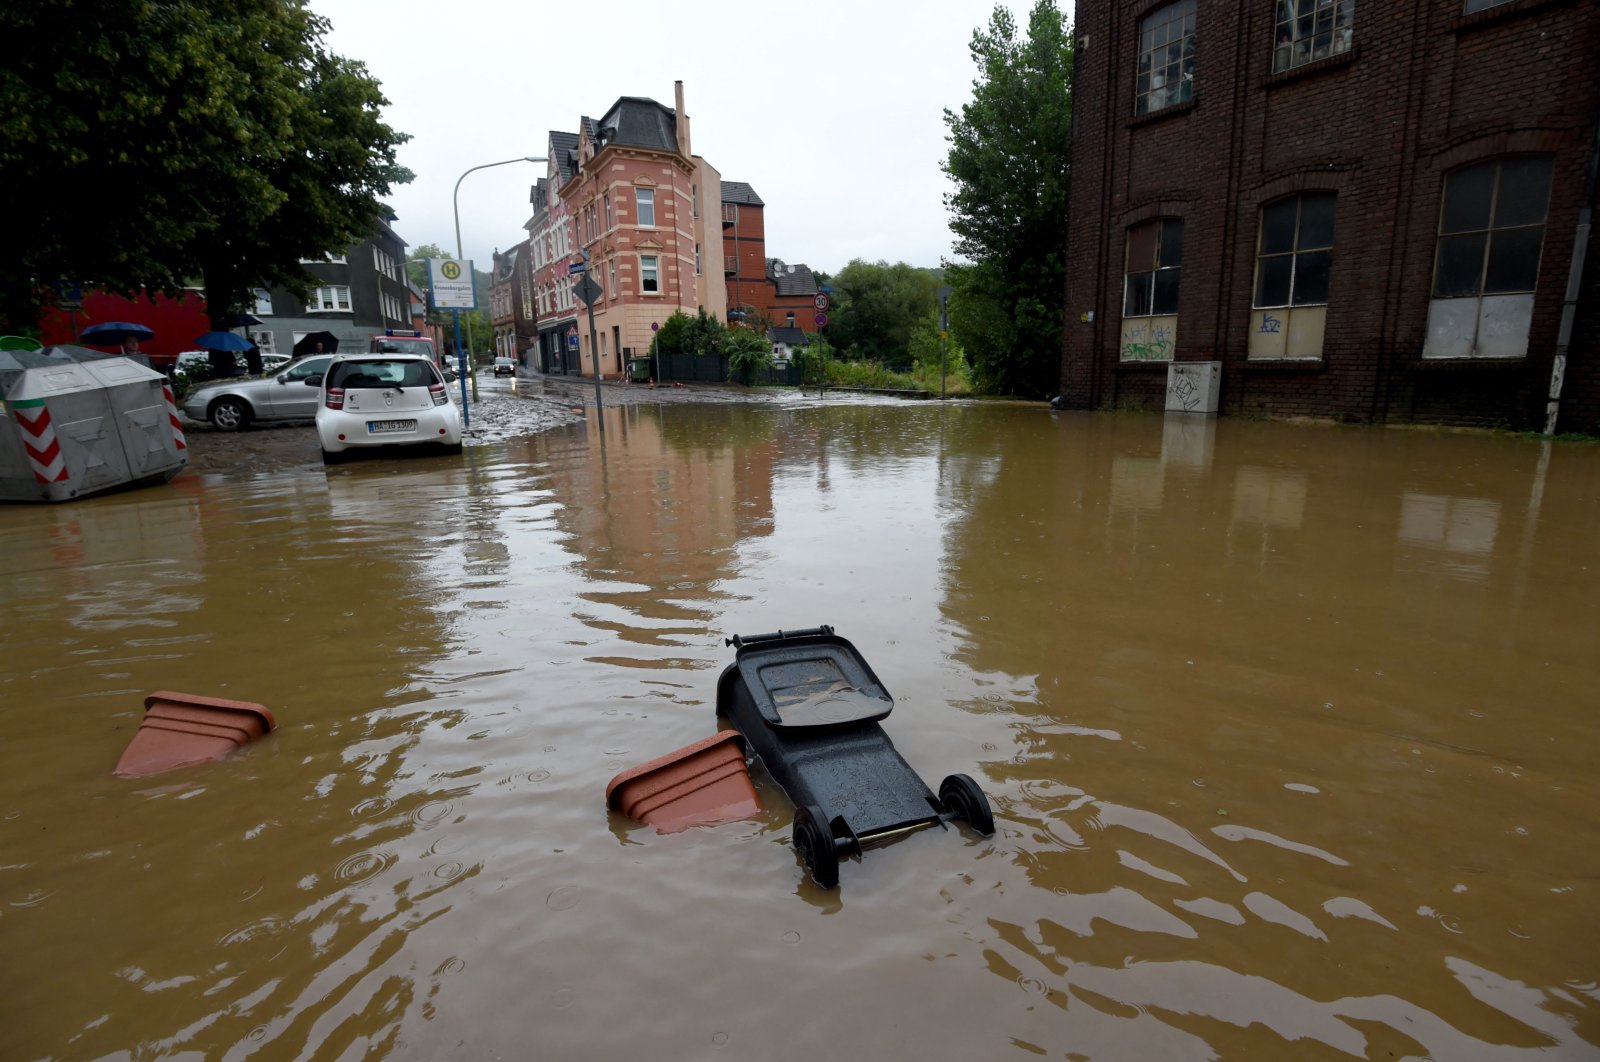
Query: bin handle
{"type": "Point", "coordinates": [739, 641]}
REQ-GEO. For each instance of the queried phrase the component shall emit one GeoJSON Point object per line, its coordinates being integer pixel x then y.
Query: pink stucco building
{"type": "Point", "coordinates": [627, 193]}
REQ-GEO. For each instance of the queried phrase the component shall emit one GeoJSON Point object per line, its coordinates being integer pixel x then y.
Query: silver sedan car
{"type": "Point", "coordinates": [290, 393]}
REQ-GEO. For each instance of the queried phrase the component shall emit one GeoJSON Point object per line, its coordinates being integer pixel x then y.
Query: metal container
{"type": "Point", "coordinates": [76, 422]}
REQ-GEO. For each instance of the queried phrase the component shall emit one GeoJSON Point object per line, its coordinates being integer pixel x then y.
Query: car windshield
{"type": "Point", "coordinates": [387, 345]}
{"type": "Point", "coordinates": [382, 372]}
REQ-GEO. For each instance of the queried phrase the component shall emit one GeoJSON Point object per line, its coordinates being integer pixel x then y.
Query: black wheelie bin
{"type": "Point", "coordinates": [809, 705]}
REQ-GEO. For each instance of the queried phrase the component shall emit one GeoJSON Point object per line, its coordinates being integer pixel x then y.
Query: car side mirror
{"type": "Point", "coordinates": [313, 381]}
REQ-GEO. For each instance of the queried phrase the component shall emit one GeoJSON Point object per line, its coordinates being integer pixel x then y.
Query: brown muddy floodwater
{"type": "Point", "coordinates": [1290, 732]}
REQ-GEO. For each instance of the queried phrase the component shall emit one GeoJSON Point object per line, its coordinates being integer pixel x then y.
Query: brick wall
{"type": "Point", "coordinates": [1424, 90]}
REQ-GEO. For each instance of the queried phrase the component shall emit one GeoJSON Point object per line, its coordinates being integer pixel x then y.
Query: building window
{"type": "Point", "coordinates": [1483, 5]}
{"type": "Point", "coordinates": [697, 260]}
{"type": "Point", "coordinates": [1294, 258]}
{"type": "Point", "coordinates": [614, 289]}
{"type": "Point", "coordinates": [1166, 58]}
{"type": "Point", "coordinates": [608, 211]}
{"type": "Point", "coordinates": [332, 259]}
{"type": "Point", "coordinates": [790, 316]}
{"type": "Point", "coordinates": [649, 278]}
{"type": "Point", "coordinates": [1150, 290]}
{"type": "Point", "coordinates": [694, 191]}
{"type": "Point", "coordinates": [1486, 261]}
{"type": "Point", "coordinates": [1309, 30]}
{"type": "Point", "coordinates": [330, 299]}
{"type": "Point", "coordinates": [646, 200]}
{"type": "Point", "coordinates": [264, 341]}
{"type": "Point", "coordinates": [263, 302]}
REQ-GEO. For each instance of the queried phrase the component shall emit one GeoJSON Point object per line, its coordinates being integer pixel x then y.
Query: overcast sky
{"type": "Point", "coordinates": [832, 111]}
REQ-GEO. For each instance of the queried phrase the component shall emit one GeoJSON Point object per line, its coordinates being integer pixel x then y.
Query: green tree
{"type": "Point", "coordinates": [669, 338]}
{"type": "Point", "coordinates": [703, 334]}
{"type": "Point", "coordinates": [158, 142]}
{"type": "Point", "coordinates": [417, 263]}
{"type": "Point", "coordinates": [877, 306]}
{"type": "Point", "coordinates": [1010, 159]}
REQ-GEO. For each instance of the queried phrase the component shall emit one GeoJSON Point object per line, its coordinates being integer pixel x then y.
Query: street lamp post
{"type": "Point", "coordinates": [455, 206]}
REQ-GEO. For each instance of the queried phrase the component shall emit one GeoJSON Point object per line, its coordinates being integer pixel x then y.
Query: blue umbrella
{"type": "Point", "coordinates": [222, 341]}
{"type": "Point", "coordinates": [111, 333]}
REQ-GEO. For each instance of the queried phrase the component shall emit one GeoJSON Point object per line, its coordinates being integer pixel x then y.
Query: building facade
{"type": "Point", "coordinates": [639, 204]}
{"type": "Point", "coordinates": [744, 250]}
{"type": "Point", "coordinates": [356, 295]}
{"type": "Point", "coordinates": [791, 295]}
{"type": "Point", "coordinates": [550, 254]}
{"type": "Point", "coordinates": [1369, 212]}
{"type": "Point", "coordinates": [509, 315]}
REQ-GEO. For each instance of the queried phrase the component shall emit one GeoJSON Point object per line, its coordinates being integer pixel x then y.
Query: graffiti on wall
{"type": "Point", "coordinates": [1149, 339]}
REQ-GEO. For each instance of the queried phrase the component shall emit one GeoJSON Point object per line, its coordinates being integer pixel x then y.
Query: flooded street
{"type": "Point", "coordinates": [1290, 732]}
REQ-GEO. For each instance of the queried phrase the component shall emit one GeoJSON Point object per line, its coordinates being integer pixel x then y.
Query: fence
{"type": "Point", "coordinates": [713, 368]}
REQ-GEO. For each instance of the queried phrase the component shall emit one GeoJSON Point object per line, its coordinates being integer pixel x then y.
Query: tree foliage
{"type": "Point", "coordinates": [156, 142]}
{"type": "Point", "coordinates": [876, 307]}
{"type": "Point", "coordinates": [1010, 159]}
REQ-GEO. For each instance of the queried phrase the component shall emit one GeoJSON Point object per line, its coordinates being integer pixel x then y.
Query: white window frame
{"type": "Point", "coordinates": [649, 273]}
{"type": "Point", "coordinates": [330, 293]}
{"type": "Point", "coordinates": [644, 199]}
{"type": "Point", "coordinates": [264, 341]}
{"type": "Point", "coordinates": [263, 299]}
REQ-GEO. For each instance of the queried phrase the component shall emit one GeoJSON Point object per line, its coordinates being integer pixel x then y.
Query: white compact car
{"type": "Point", "coordinates": [384, 400]}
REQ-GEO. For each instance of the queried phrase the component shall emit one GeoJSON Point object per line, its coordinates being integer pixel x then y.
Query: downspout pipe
{"type": "Point", "coordinates": [1569, 305]}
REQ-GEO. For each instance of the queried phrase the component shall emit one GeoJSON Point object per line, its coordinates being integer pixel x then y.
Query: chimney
{"type": "Point", "coordinates": [682, 120]}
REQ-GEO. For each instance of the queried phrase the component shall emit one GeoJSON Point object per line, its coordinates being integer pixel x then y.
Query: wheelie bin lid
{"type": "Point", "coordinates": [811, 678]}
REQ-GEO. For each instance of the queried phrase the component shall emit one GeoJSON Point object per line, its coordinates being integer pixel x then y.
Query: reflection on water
{"type": "Point", "coordinates": [1289, 731]}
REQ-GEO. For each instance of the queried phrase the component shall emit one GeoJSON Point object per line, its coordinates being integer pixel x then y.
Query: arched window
{"type": "Point", "coordinates": [1294, 260]}
{"type": "Point", "coordinates": [1486, 258]}
{"type": "Point", "coordinates": [1152, 271]}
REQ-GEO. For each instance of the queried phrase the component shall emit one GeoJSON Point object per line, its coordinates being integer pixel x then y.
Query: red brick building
{"type": "Point", "coordinates": [1366, 211]}
{"type": "Point", "coordinates": [511, 311]}
{"type": "Point", "coordinates": [638, 201]}
{"type": "Point", "coordinates": [744, 249]}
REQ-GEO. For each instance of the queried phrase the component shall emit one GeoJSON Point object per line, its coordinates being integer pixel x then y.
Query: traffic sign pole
{"type": "Point", "coordinates": [466, 411]}
{"type": "Point", "coordinates": [587, 290]}
{"type": "Point", "coordinates": [822, 325]}
{"type": "Point", "coordinates": [944, 331]}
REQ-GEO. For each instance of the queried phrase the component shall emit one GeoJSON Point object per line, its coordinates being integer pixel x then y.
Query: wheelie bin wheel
{"type": "Point", "coordinates": [813, 841]}
{"type": "Point", "coordinates": [961, 795]}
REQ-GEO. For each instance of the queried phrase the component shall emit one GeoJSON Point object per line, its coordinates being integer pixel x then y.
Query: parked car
{"type": "Point", "coordinates": [291, 393]}
{"type": "Point", "coordinates": [191, 360]}
{"type": "Point", "coordinates": [385, 400]}
{"type": "Point", "coordinates": [505, 366]}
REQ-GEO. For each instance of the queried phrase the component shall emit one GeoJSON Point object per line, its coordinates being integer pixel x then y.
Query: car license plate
{"type": "Point", "coordinates": [379, 427]}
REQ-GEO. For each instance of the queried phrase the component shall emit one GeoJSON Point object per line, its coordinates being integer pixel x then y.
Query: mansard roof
{"type": "Point", "coordinates": [739, 192]}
